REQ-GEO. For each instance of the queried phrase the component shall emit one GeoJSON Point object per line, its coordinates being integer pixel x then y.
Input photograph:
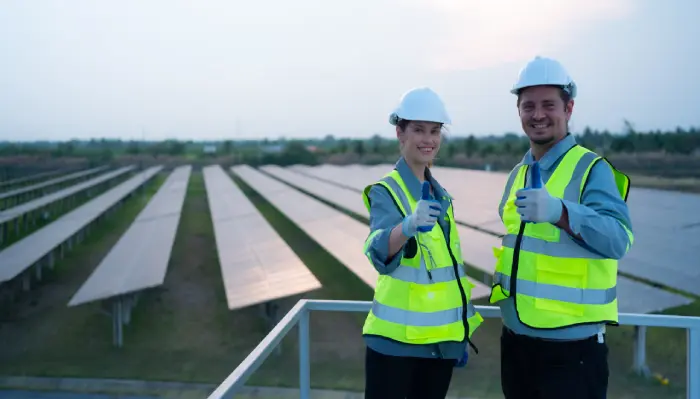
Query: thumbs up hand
{"type": "Point", "coordinates": [535, 204]}
{"type": "Point", "coordinates": [425, 215]}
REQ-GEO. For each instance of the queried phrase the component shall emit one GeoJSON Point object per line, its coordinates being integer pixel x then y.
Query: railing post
{"type": "Point", "coordinates": [304, 364]}
{"type": "Point", "coordinates": [639, 364]}
{"type": "Point", "coordinates": [693, 378]}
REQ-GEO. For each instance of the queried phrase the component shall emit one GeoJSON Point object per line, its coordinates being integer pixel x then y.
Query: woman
{"type": "Point", "coordinates": [415, 332]}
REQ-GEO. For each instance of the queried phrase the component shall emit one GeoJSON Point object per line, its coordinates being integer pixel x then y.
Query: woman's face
{"type": "Point", "coordinates": [420, 141]}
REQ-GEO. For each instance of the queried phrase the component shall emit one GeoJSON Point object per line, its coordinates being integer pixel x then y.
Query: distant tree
{"type": "Point", "coordinates": [451, 149]}
{"type": "Point", "coordinates": [175, 147]}
{"type": "Point", "coordinates": [376, 144]}
{"type": "Point", "coordinates": [228, 146]}
{"type": "Point", "coordinates": [343, 146]}
{"type": "Point", "coordinates": [295, 152]}
{"type": "Point", "coordinates": [359, 147]}
{"type": "Point", "coordinates": [133, 148]}
{"type": "Point", "coordinates": [487, 150]}
{"type": "Point", "coordinates": [471, 146]}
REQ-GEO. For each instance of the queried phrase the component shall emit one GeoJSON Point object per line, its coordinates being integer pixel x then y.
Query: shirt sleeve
{"type": "Point", "coordinates": [383, 217]}
{"type": "Point", "coordinates": [602, 218]}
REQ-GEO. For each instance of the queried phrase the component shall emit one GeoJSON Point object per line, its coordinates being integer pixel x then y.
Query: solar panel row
{"type": "Point", "coordinates": [18, 195]}
{"type": "Point", "coordinates": [8, 184]}
{"type": "Point", "coordinates": [27, 207]}
{"type": "Point", "coordinates": [30, 250]}
{"type": "Point", "coordinates": [257, 265]}
{"type": "Point", "coordinates": [140, 258]}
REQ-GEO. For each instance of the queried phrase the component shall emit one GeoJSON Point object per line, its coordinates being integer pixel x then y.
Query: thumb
{"type": "Point", "coordinates": [426, 191]}
{"type": "Point", "coordinates": [536, 176]}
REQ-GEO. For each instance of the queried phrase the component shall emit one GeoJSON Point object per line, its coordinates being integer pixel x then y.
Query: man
{"type": "Point", "coordinates": [565, 212]}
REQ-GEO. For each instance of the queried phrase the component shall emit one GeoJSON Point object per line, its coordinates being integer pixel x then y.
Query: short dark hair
{"type": "Point", "coordinates": [563, 94]}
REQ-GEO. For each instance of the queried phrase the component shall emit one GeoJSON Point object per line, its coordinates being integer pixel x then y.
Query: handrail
{"type": "Point", "coordinates": [300, 314]}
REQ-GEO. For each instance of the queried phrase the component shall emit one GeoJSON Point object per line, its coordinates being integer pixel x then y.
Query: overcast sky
{"type": "Point", "coordinates": [269, 68]}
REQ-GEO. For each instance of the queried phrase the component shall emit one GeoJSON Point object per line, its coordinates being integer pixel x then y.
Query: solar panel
{"type": "Point", "coordinates": [4, 185]}
{"type": "Point", "coordinates": [49, 183]}
{"type": "Point", "coordinates": [344, 197]}
{"type": "Point", "coordinates": [340, 235]}
{"type": "Point", "coordinates": [139, 260]}
{"type": "Point", "coordinates": [257, 265]}
{"type": "Point", "coordinates": [17, 211]}
{"type": "Point", "coordinates": [23, 254]}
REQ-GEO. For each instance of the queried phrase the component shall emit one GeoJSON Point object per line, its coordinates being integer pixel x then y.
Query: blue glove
{"type": "Point", "coordinates": [463, 361]}
{"type": "Point", "coordinates": [535, 204]}
{"type": "Point", "coordinates": [425, 216]}
{"type": "Point", "coordinates": [426, 197]}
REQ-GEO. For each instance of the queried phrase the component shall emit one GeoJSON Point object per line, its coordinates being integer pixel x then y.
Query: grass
{"type": "Point", "coordinates": [184, 331]}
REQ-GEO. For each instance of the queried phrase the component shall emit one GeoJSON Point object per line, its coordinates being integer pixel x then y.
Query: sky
{"type": "Point", "coordinates": [233, 69]}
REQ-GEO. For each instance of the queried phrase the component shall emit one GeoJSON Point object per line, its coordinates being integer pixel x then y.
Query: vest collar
{"type": "Point", "coordinates": [549, 160]}
{"type": "Point", "coordinates": [414, 185]}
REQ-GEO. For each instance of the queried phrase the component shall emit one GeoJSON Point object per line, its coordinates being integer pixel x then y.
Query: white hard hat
{"type": "Point", "coordinates": [544, 71]}
{"type": "Point", "coordinates": [420, 104]}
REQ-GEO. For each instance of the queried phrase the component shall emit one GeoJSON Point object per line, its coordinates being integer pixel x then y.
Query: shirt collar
{"type": "Point", "coordinates": [551, 157]}
{"type": "Point", "coordinates": [414, 185]}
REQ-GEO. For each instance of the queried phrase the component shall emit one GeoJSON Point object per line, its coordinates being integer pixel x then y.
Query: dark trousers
{"type": "Point", "coordinates": [394, 377]}
{"type": "Point", "coordinates": [539, 369]}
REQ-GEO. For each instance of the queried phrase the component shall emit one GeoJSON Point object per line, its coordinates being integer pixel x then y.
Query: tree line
{"type": "Point", "coordinates": [680, 142]}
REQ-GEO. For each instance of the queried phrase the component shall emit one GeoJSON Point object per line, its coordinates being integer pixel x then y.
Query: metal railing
{"type": "Point", "coordinates": [299, 314]}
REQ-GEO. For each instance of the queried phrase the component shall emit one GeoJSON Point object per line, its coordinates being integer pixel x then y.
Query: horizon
{"type": "Point", "coordinates": [217, 70]}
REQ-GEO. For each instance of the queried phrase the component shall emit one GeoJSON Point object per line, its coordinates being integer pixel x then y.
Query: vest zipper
{"type": "Point", "coordinates": [465, 321]}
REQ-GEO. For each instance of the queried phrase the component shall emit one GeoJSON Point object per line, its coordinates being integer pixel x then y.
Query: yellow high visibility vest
{"type": "Point", "coordinates": [555, 282]}
{"type": "Point", "coordinates": [422, 301]}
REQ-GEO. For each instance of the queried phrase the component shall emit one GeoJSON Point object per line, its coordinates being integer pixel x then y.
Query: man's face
{"type": "Point", "coordinates": [543, 114]}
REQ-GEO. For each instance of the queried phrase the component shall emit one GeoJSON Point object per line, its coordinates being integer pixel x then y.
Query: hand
{"type": "Point", "coordinates": [536, 204]}
{"type": "Point", "coordinates": [425, 215]}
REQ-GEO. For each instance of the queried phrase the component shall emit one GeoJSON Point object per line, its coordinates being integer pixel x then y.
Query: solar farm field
{"type": "Point", "coordinates": [176, 274]}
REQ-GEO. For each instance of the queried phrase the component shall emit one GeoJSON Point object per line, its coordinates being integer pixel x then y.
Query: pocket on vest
{"type": "Point", "coordinates": [560, 285]}
{"type": "Point", "coordinates": [428, 299]}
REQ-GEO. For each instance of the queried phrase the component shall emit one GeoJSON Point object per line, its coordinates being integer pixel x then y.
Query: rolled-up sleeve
{"type": "Point", "coordinates": [602, 218]}
{"type": "Point", "coordinates": [383, 217]}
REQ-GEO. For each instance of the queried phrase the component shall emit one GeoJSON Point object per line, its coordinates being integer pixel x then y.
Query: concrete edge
{"type": "Point", "coordinates": [162, 389]}
{"type": "Point", "coordinates": [154, 388]}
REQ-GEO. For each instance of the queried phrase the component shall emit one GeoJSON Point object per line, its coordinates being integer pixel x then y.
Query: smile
{"type": "Point", "coordinates": [426, 150]}
{"type": "Point", "coordinates": [540, 125]}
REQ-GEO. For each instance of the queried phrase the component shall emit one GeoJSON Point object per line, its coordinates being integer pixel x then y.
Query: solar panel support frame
{"type": "Point", "coordinates": [119, 309]}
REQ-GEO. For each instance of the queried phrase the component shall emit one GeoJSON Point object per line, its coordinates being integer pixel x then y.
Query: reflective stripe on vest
{"type": "Point", "coordinates": [587, 296]}
{"type": "Point", "coordinates": [421, 319]}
